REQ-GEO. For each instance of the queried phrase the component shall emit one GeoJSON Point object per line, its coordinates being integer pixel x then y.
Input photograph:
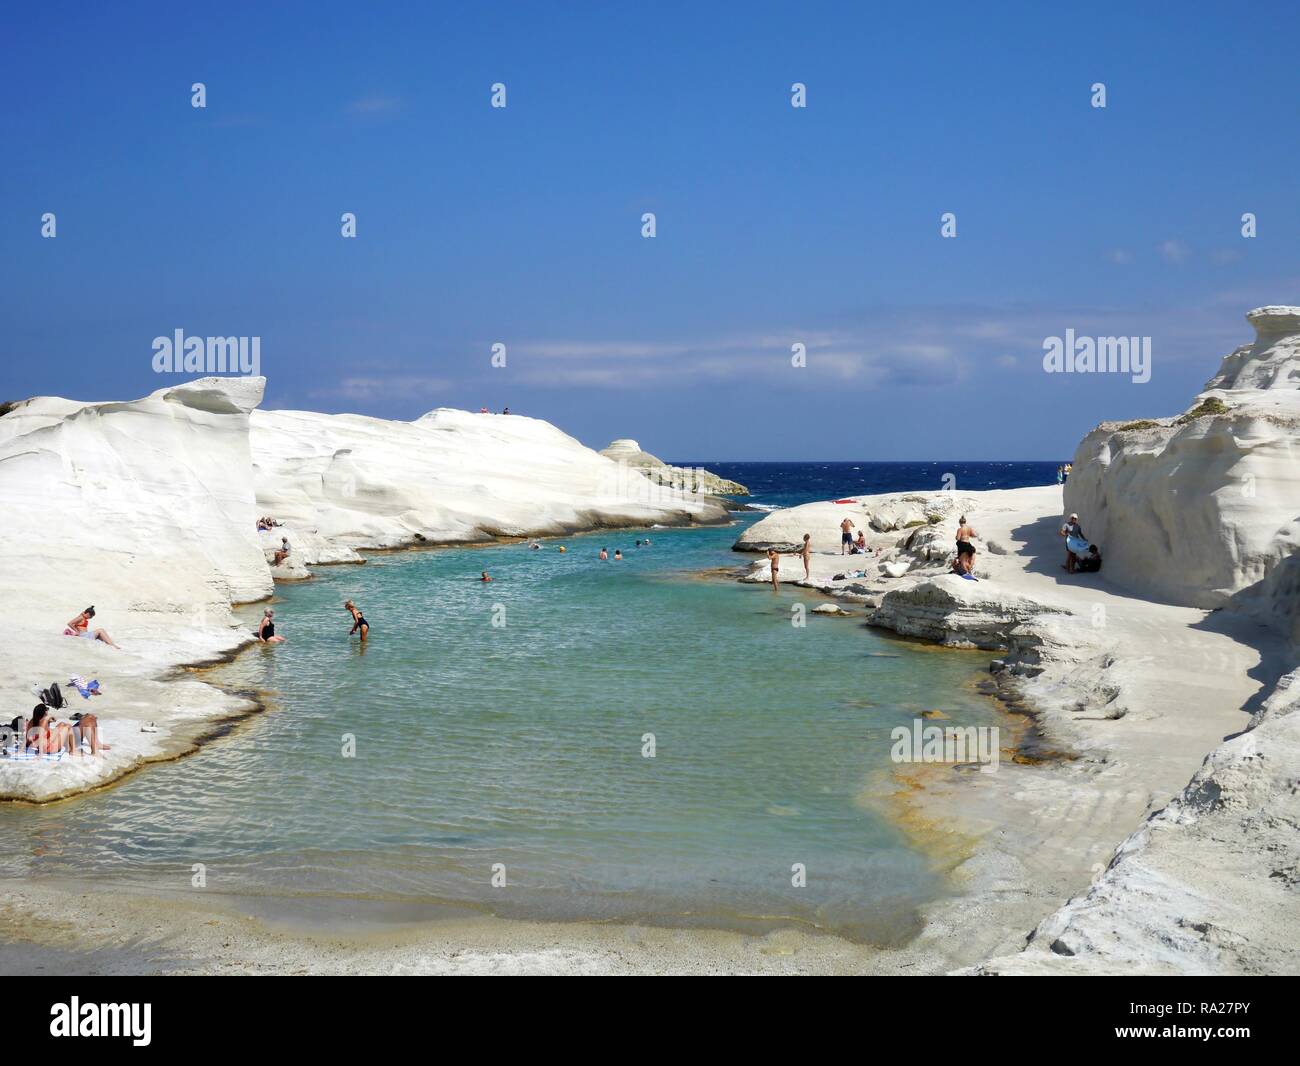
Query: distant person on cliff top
{"type": "Point", "coordinates": [505, 410]}
{"type": "Point", "coordinates": [359, 623]}
{"type": "Point", "coordinates": [846, 537]}
{"type": "Point", "coordinates": [1066, 471]}
{"type": "Point", "coordinates": [1076, 543]}
{"type": "Point", "coordinates": [965, 549]}
{"type": "Point", "coordinates": [806, 554]}
{"type": "Point", "coordinates": [774, 562]}
{"type": "Point", "coordinates": [80, 627]}
{"type": "Point", "coordinates": [266, 628]}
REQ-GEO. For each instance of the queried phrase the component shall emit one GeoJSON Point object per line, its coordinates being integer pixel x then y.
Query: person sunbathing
{"type": "Point", "coordinates": [80, 627]}
{"type": "Point", "coordinates": [46, 736]}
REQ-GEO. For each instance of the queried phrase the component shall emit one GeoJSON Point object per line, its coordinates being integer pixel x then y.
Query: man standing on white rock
{"type": "Point", "coordinates": [846, 538]}
{"type": "Point", "coordinates": [806, 553]}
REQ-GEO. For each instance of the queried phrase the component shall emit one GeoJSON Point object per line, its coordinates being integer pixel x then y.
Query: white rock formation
{"type": "Point", "coordinates": [148, 509]}
{"type": "Point", "coordinates": [448, 477]}
{"type": "Point", "coordinates": [695, 479]}
{"type": "Point", "coordinates": [1204, 509]}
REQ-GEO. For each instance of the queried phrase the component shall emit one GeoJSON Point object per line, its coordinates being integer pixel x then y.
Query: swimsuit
{"type": "Point", "coordinates": [965, 547]}
{"type": "Point", "coordinates": [268, 631]}
{"type": "Point", "coordinates": [846, 537]}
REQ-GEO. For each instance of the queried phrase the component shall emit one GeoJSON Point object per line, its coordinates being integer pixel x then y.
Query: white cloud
{"type": "Point", "coordinates": [1174, 251]}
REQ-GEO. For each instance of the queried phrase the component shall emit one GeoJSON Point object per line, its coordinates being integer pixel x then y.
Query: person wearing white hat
{"type": "Point", "coordinates": [1075, 542]}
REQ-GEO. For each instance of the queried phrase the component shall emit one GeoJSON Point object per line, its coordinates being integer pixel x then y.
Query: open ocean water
{"type": "Point", "coordinates": [518, 749]}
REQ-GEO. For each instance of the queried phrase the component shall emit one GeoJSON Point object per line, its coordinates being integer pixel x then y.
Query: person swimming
{"type": "Point", "coordinates": [359, 623]}
{"type": "Point", "coordinates": [604, 554]}
{"type": "Point", "coordinates": [618, 554]}
{"type": "Point", "coordinates": [484, 576]}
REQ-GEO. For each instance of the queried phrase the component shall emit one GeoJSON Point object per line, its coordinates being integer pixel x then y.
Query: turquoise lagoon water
{"type": "Point", "coordinates": [522, 745]}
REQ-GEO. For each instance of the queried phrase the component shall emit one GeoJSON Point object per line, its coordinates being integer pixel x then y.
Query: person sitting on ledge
{"type": "Point", "coordinates": [282, 553]}
{"type": "Point", "coordinates": [1089, 563]}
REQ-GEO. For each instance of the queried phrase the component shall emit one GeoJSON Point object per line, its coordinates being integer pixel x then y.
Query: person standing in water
{"type": "Point", "coordinates": [806, 553]}
{"type": "Point", "coordinates": [846, 537]}
{"type": "Point", "coordinates": [774, 561]}
{"type": "Point", "coordinates": [359, 623]}
{"type": "Point", "coordinates": [604, 555]}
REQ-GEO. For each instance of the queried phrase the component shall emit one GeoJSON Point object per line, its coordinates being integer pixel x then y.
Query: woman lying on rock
{"type": "Point", "coordinates": [80, 627]}
{"type": "Point", "coordinates": [46, 736]}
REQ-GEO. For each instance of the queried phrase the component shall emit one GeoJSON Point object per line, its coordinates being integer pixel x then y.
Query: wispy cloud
{"type": "Point", "coordinates": [374, 105]}
{"type": "Point", "coordinates": [888, 347]}
{"type": "Point", "coordinates": [385, 388]}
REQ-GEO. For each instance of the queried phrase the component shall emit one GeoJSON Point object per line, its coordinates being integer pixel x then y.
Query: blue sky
{"type": "Point", "coordinates": [775, 225]}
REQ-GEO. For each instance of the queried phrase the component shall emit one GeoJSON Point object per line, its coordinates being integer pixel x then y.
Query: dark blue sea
{"type": "Point", "coordinates": [790, 484]}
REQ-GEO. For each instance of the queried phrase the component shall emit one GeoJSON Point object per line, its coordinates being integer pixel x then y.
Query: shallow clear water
{"type": "Point", "coordinates": [522, 744]}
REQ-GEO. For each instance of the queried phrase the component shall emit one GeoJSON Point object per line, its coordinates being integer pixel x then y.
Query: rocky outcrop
{"type": "Point", "coordinates": [687, 479]}
{"type": "Point", "coordinates": [346, 481]}
{"type": "Point", "coordinates": [915, 522]}
{"type": "Point", "coordinates": [1204, 509]}
{"type": "Point", "coordinates": [954, 612]}
{"type": "Point", "coordinates": [1209, 884]}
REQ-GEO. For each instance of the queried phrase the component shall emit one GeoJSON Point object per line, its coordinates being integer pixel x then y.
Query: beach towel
{"type": "Point", "coordinates": [86, 688]}
{"type": "Point", "coordinates": [30, 756]}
